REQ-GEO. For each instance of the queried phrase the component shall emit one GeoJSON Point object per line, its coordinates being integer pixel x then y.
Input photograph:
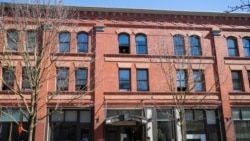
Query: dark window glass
{"type": "Point", "coordinates": [8, 79]}
{"type": "Point", "coordinates": [26, 74]}
{"type": "Point", "coordinates": [179, 48]}
{"type": "Point", "coordinates": [142, 80]}
{"type": "Point", "coordinates": [195, 45]}
{"type": "Point", "coordinates": [12, 38]}
{"type": "Point", "coordinates": [246, 46]}
{"type": "Point", "coordinates": [124, 80]}
{"type": "Point", "coordinates": [141, 44]}
{"type": "Point", "coordinates": [232, 47]}
{"type": "Point", "coordinates": [64, 42]}
{"type": "Point", "coordinates": [82, 42]}
{"type": "Point", "coordinates": [198, 80]}
{"type": "Point", "coordinates": [237, 81]}
{"type": "Point", "coordinates": [181, 80]}
{"type": "Point", "coordinates": [31, 41]}
{"type": "Point", "coordinates": [165, 125]}
{"type": "Point", "coordinates": [202, 122]}
{"type": "Point", "coordinates": [62, 79]}
{"type": "Point", "coordinates": [81, 79]}
{"type": "Point", "coordinates": [124, 43]}
{"type": "Point", "coordinates": [241, 117]}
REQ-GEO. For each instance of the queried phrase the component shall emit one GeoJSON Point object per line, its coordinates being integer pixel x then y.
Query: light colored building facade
{"type": "Point", "coordinates": [129, 95]}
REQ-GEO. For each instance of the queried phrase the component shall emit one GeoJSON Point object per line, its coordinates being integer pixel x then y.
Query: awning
{"type": "Point", "coordinates": [126, 117]}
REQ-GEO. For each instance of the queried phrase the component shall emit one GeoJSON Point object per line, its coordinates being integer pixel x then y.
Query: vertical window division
{"type": "Point", "coordinates": [81, 75]}
{"type": "Point", "coordinates": [27, 75]}
{"type": "Point", "coordinates": [124, 44]}
{"type": "Point", "coordinates": [179, 48]}
{"type": "Point", "coordinates": [142, 79]}
{"type": "Point", "coordinates": [31, 41]}
{"type": "Point", "coordinates": [8, 78]}
{"type": "Point", "coordinates": [64, 42]}
{"type": "Point", "coordinates": [124, 80]}
{"type": "Point", "coordinates": [246, 46]}
{"type": "Point", "coordinates": [82, 42]}
{"type": "Point", "coordinates": [181, 80]}
{"type": "Point", "coordinates": [62, 79]}
{"type": "Point", "coordinates": [12, 39]}
{"type": "Point", "coordinates": [195, 47]}
{"type": "Point", "coordinates": [198, 77]}
{"type": "Point", "coordinates": [237, 81]}
{"type": "Point", "coordinates": [232, 47]}
{"type": "Point", "coordinates": [141, 44]}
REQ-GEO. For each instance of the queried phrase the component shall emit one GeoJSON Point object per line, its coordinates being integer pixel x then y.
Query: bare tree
{"type": "Point", "coordinates": [184, 69]}
{"type": "Point", "coordinates": [244, 6]}
{"type": "Point", "coordinates": [31, 33]}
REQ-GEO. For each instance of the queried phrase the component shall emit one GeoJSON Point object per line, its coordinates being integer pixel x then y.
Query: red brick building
{"type": "Point", "coordinates": [206, 57]}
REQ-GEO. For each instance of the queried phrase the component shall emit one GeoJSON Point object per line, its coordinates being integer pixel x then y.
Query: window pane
{"type": "Point", "coordinates": [64, 39]}
{"type": "Point", "coordinates": [211, 117]}
{"type": "Point", "coordinates": [236, 79]}
{"type": "Point", "coordinates": [242, 129]}
{"type": "Point", "coordinates": [178, 45]}
{"type": "Point", "coordinates": [57, 116]}
{"type": "Point", "coordinates": [245, 114]}
{"type": "Point", "coordinates": [164, 114]}
{"type": "Point", "coordinates": [63, 131]}
{"type": "Point", "coordinates": [81, 79]}
{"type": "Point", "coordinates": [70, 115]}
{"type": "Point", "coordinates": [195, 45]}
{"type": "Point", "coordinates": [12, 38]}
{"type": "Point", "coordinates": [62, 78]}
{"type": "Point", "coordinates": [124, 75]}
{"type": "Point", "coordinates": [8, 79]}
{"type": "Point", "coordinates": [181, 79]}
{"type": "Point", "coordinates": [31, 41]}
{"type": "Point", "coordinates": [141, 47]}
{"type": "Point", "coordinates": [123, 39]}
{"type": "Point", "coordinates": [198, 80]}
{"type": "Point", "coordinates": [246, 46]}
{"type": "Point", "coordinates": [231, 45]}
{"type": "Point", "coordinates": [165, 131]}
{"type": "Point", "coordinates": [82, 42]}
{"type": "Point", "coordinates": [85, 116]}
{"type": "Point", "coordinates": [236, 114]}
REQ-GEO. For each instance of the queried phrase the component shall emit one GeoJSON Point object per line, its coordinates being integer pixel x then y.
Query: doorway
{"type": "Point", "coordinates": [125, 133]}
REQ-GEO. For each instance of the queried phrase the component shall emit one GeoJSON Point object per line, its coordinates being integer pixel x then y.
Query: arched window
{"type": "Point", "coordinates": [124, 43]}
{"type": "Point", "coordinates": [12, 39]}
{"type": "Point", "coordinates": [195, 48]}
{"type": "Point", "coordinates": [179, 48]}
{"type": "Point", "coordinates": [64, 42]}
{"type": "Point", "coordinates": [246, 46]}
{"type": "Point", "coordinates": [82, 42]}
{"type": "Point", "coordinates": [141, 44]}
{"type": "Point", "coordinates": [232, 46]}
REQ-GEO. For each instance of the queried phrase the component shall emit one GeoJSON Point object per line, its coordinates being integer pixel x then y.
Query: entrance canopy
{"type": "Point", "coordinates": [126, 117]}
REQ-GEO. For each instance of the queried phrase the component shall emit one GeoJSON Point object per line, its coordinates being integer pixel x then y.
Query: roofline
{"type": "Point", "coordinates": [151, 11]}
{"type": "Point", "coordinates": [161, 12]}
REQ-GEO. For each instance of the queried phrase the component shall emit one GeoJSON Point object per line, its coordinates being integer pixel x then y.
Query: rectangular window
{"type": "Point", "coordinates": [181, 80]}
{"type": "Point", "coordinates": [124, 80]}
{"type": "Point", "coordinates": [8, 78]}
{"type": "Point", "coordinates": [198, 80]}
{"type": "Point", "coordinates": [64, 42]}
{"type": "Point", "coordinates": [237, 81]}
{"type": "Point", "coordinates": [241, 118]}
{"type": "Point", "coordinates": [81, 76]}
{"type": "Point", "coordinates": [12, 39]}
{"type": "Point", "coordinates": [31, 41]}
{"type": "Point", "coordinates": [165, 125]}
{"type": "Point", "coordinates": [62, 79]}
{"type": "Point", "coordinates": [26, 75]}
{"type": "Point", "coordinates": [142, 80]}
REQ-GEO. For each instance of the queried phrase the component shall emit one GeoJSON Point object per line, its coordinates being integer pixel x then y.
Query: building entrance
{"type": "Point", "coordinates": [125, 133]}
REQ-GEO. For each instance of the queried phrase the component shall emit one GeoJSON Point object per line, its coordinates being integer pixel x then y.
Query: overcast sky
{"type": "Point", "coordinates": [180, 5]}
